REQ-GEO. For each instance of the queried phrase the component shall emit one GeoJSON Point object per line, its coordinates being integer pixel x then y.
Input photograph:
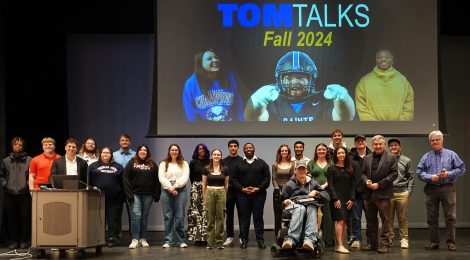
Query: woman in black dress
{"type": "Point", "coordinates": [340, 177]}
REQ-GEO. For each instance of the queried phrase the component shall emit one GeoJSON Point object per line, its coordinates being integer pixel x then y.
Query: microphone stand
{"type": "Point", "coordinates": [87, 175]}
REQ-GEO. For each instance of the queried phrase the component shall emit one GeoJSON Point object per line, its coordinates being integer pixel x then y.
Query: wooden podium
{"type": "Point", "coordinates": [67, 219]}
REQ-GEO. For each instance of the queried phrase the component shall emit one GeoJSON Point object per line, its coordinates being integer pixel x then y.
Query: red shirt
{"type": "Point", "coordinates": [40, 167]}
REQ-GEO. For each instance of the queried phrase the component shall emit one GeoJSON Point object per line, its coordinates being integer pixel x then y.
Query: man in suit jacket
{"type": "Point", "coordinates": [379, 170]}
{"type": "Point", "coordinates": [70, 164]}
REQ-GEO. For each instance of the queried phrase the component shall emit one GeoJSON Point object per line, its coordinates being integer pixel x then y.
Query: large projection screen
{"type": "Point", "coordinates": [250, 37]}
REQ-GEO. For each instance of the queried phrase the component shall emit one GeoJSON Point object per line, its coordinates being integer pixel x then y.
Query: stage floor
{"type": "Point", "coordinates": [418, 238]}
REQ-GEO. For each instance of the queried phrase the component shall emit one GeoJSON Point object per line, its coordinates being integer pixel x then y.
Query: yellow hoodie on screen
{"type": "Point", "coordinates": [384, 96]}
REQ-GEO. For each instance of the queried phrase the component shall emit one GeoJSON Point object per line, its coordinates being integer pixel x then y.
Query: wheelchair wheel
{"type": "Point", "coordinates": [275, 251]}
{"type": "Point", "coordinates": [319, 248]}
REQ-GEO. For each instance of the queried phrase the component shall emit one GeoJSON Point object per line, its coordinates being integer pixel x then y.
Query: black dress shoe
{"type": "Point", "coordinates": [368, 247]}
{"type": "Point", "coordinates": [24, 245]}
{"type": "Point", "coordinates": [111, 243]}
{"type": "Point", "coordinates": [383, 249]}
{"type": "Point", "coordinates": [244, 245]}
{"type": "Point", "coordinates": [261, 244]}
{"type": "Point", "coordinates": [432, 246]}
{"type": "Point", "coordinates": [451, 247]}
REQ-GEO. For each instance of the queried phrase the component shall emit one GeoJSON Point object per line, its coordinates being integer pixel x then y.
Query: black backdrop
{"type": "Point", "coordinates": [33, 58]}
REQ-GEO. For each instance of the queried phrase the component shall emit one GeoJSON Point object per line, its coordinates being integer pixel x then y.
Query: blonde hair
{"type": "Point", "coordinates": [48, 140]}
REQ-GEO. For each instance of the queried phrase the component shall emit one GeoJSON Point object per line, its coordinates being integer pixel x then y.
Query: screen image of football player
{"type": "Point", "coordinates": [294, 97]}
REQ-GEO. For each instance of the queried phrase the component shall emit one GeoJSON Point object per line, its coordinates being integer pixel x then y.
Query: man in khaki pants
{"type": "Point", "coordinates": [402, 188]}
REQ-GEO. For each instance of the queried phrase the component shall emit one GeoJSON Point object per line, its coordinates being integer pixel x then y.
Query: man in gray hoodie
{"type": "Point", "coordinates": [14, 175]}
{"type": "Point", "coordinates": [301, 186]}
{"type": "Point", "coordinates": [402, 188]}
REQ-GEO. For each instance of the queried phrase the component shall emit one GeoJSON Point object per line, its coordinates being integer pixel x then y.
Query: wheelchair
{"type": "Point", "coordinates": [319, 245]}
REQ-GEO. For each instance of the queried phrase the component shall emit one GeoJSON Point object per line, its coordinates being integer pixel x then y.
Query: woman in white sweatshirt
{"type": "Point", "coordinates": [173, 173]}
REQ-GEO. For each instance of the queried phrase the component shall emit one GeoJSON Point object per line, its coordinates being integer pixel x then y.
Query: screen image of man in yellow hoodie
{"type": "Point", "coordinates": [384, 94]}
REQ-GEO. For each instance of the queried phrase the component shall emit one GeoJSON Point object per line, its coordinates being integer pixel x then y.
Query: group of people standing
{"type": "Point", "coordinates": [377, 181]}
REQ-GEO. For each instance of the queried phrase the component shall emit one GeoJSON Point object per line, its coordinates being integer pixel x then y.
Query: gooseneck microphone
{"type": "Point", "coordinates": [89, 187]}
{"type": "Point", "coordinates": [87, 173]}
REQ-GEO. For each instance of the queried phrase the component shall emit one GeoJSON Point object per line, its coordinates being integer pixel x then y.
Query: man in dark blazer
{"type": "Point", "coordinates": [379, 170]}
{"type": "Point", "coordinates": [70, 164]}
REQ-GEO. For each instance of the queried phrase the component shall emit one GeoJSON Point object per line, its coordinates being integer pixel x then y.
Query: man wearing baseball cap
{"type": "Point", "coordinates": [301, 186]}
{"type": "Point", "coordinates": [402, 188]}
{"type": "Point", "coordinates": [358, 152]}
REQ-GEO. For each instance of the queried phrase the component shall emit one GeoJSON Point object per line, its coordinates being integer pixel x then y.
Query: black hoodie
{"type": "Point", "coordinates": [358, 161]}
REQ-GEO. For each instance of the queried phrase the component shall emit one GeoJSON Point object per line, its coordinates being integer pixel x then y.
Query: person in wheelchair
{"type": "Point", "coordinates": [297, 197]}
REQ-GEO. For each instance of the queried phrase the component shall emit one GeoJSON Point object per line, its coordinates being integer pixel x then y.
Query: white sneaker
{"type": "Point", "coordinates": [183, 245]}
{"type": "Point", "coordinates": [287, 244]}
{"type": "Point", "coordinates": [143, 242]}
{"type": "Point", "coordinates": [308, 245]}
{"type": "Point", "coordinates": [228, 241]}
{"type": "Point", "coordinates": [356, 244]}
{"type": "Point", "coordinates": [166, 245]}
{"type": "Point", "coordinates": [404, 243]}
{"type": "Point", "coordinates": [134, 244]}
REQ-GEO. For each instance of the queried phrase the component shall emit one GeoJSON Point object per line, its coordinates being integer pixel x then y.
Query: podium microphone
{"type": "Point", "coordinates": [89, 187]}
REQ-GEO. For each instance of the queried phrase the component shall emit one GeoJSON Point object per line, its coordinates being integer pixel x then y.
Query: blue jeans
{"type": "Point", "coordinates": [140, 209]}
{"type": "Point", "coordinates": [173, 214]}
{"type": "Point", "coordinates": [298, 216]}
{"type": "Point", "coordinates": [357, 209]}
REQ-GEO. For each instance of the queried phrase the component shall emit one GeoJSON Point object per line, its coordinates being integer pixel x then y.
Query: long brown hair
{"type": "Point", "coordinates": [278, 154]}
{"type": "Point", "coordinates": [179, 159]}
{"type": "Point", "coordinates": [201, 75]}
{"type": "Point", "coordinates": [96, 152]}
{"type": "Point", "coordinates": [147, 161]}
{"type": "Point", "coordinates": [327, 156]}
{"type": "Point", "coordinates": [210, 166]}
{"type": "Point", "coordinates": [347, 160]}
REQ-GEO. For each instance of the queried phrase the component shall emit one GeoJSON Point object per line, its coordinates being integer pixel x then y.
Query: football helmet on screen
{"type": "Point", "coordinates": [296, 74]}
